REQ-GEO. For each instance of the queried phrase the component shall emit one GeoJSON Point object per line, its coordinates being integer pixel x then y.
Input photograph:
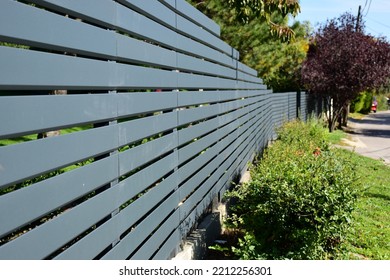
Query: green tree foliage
{"type": "Point", "coordinates": [264, 10]}
{"type": "Point", "coordinates": [277, 62]}
{"type": "Point", "coordinates": [342, 62]}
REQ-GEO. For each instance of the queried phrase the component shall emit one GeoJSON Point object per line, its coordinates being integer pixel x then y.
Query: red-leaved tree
{"type": "Point", "coordinates": [343, 61]}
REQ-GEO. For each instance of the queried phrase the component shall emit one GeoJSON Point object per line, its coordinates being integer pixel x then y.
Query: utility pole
{"type": "Point", "coordinates": [358, 18]}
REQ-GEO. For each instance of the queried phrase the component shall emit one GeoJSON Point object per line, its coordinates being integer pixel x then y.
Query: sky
{"type": "Point", "coordinates": [376, 13]}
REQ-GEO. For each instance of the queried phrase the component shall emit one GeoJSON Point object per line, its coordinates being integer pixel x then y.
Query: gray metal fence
{"type": "Point", "coordinates": [158, 119]}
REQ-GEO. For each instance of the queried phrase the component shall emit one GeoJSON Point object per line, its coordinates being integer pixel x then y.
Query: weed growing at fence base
{"type": "Point", "coordinates": [299, 203]}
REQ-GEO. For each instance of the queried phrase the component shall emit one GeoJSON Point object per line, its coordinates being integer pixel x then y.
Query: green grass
{"type": "Point", "coordinates": [356, 116]}
{"type": "Point", "coordinates": [369, 236]}
{"type": "Point", "coordinates": [336, 136]}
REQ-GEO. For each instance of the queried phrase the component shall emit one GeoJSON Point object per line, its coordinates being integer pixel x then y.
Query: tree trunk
{"type": "Point", "coordinates": [345, 114]}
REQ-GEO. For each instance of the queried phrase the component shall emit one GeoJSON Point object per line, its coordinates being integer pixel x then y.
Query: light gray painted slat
{"type": "Point", "coordinates": [141, 52]}
{"type": "Point", "coordinates": [203, 128]}
{"type": "Point", "coordinates": [141, 128]}
{"type": "Point", "coordinates": [230, 165]}
{"type": "Point", "coordinates": [188, 98]}
{"type": "Point", "coordinates": [198, 194]}
{"type": "Point", "coordinates": [195, 181]}
{"type": "Point", "coordinates": [169, 3]}
{"type": "Point", "coordinates": [200, 34]}
{"type": "Point", "coordinates": [158, 238]}
{"type": "Point", "coordinates": [245, 77]}
{"type": "Point", "coordinates": [28, 114]}
{"type": "Point", "coordinates": [124, 19]}
{"type": "Point", "coordinates": [201, 97]}
{"type": "Point", "coordinates": [246, 69]}
{"type": "Point", "coordinates": [196, 65]}
{"type": "Point", "coordinates": [45, 239]}
{"type": "Point", "coordinates": [138, 156]}
{"type": "Point", "coordinates": [145, 102]}
{"type": "Point", "coordinates": [194, 131]}
{"type": "Point", "coordinates": [190, 12]}
{"type": "Point", "coordinates": [18, 24]}
{"type": "Point", "coordinates": [192, 167]}
{"type": "Point", "coordinates": [198, 146]}
{"type": "Point", "coordinates": [28, 204]}
{"type": "Point", "coordinates": [250, 85]}
{"type": "Point", "coordinates": [203, 112]}
{"type": "Point", "coordinates": [25, 69]}
{"type": "Point", "coordinates": [37, 70]}
{"type": "Point", "coordinates": [166, 250]}
{"type": "Point", "coordinates": [102, 12]}
{"type": "Point", "coordinates": [192, 47]}
{"type": "Point", "coordinates": [198, 113]}
{"type": "Point", "coordinates": [165, 16]}
{"type": "Point", "coordinates": [129, 76]}
{"type": "Point", "coordinates": [51, 153]}
{"type": "Point", "coordinates": [137, 24]}
{"type": "Point", "coordinates": [142, 231]}
{"type": "Point", "coordinates": [91, 245]}
{"type": "Point", "coordinates": [153, 9]}
{"type": "Point", "coordinates": [120, 17]}
{"type": "Point", "coordinates": [195, 164]}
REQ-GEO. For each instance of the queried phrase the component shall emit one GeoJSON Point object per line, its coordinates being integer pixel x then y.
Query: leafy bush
{"type": "Point", "coordinates": [362, 103]}
{"type": "Point", "coordinates": [299, 201]}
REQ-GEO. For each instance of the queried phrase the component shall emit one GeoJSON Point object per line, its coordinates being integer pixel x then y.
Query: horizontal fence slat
{"type": "Point", "coordinates": [101, 12]}
{"type": "Point", "coordinates": [202, 159]}
{"type": "Point", "coordinates": [200, 34]}
{"type": "Point", "coordinates": [32, 202]}
{"type": "Point", "coordinates": [31, 114]}
{"type": "Point", "coordinates": [39, 70]}
{"type": "Point", "coordinates": [157, 240]}
{"type": "Point", "coordinates": [201, 66]}
{"type": "Point", "coordinates": [48, 154]}
{"type": "Point", "coordinates": [53, 31]}
{"type": "Point", "coordinates": [159, 118]}
{"type": "Point", "coordinates": [136, 24]}
{"type": "Point", "coordinates": [139, 129]}
{"type": "Point", "coordinates": [190, 12]}
{"type": "Point", "coordinates": [136, 51]}
{"type": "Point", "coordinates": [94, 243]}
{"type": "Point", "coordinates": [142, 103]}
{"type": "Point", "coordinates": [142, 154]}
{"type": "Point", "coordinates": [154, 10]}
{"type": "Point", "coordinates": [26, 69]}
{"type": "Point", "coordinates": [43, 240]}
{"type": "Point", "coordinates": [131, 241]}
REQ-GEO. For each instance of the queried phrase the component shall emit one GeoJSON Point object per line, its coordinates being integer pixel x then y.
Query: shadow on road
{"type": "Point", "coordinates": [373, 125]}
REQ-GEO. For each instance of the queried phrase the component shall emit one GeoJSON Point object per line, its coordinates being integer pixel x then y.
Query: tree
{"type": "Point", "coordinates": [278, 63]}
{"type": "Point", "coordinates": [342, 61]}
{"type": "Point", "coordinates": [264, 10]}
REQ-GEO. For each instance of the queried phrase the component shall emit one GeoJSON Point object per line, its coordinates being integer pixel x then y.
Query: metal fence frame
{"type": "Point", "coordinates": [159, 118]}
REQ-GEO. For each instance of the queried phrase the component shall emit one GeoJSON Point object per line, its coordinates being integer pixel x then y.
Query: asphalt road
{"type": "Point", "coordinates": [371, 135]}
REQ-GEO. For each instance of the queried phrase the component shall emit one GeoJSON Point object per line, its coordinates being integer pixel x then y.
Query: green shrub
{"type": "Point", "coordinates": [299, 201]}
{"type": "Point", "coordinates": [362, 103]}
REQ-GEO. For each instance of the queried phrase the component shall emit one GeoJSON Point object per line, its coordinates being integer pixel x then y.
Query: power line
{"type": "Point", "coordinates": [365, 5]}
{"type": "Point", "coordinates": [378, 22]}
{"type": "Point", "coordinates": [368, 9]}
